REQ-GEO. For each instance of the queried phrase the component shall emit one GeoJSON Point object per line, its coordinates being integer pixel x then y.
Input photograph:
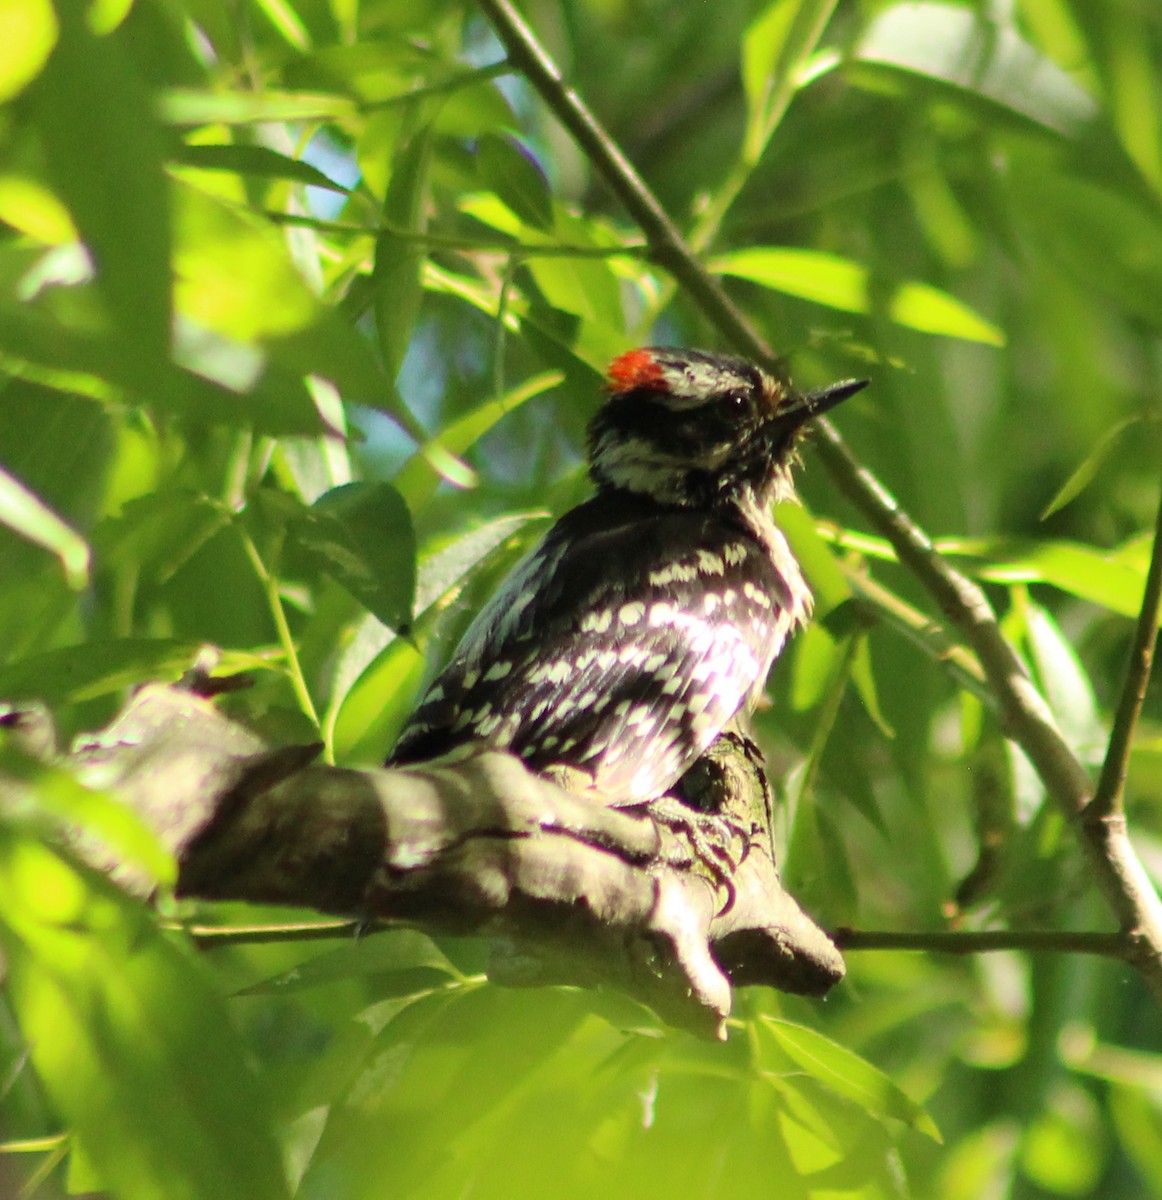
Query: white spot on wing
{"type": "Point", "coordinates": [598, 621]}
{"type": "Point", "coordinates": [677, 572]}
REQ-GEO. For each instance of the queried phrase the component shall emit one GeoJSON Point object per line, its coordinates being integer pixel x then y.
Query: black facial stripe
{"type": "Point", "coordinates": [680, 433]}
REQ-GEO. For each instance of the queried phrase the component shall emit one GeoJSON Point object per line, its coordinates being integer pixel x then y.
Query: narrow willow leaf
{"type": "Point", "coordinates": [104, 151]}
{"type": "Point", "coordinates": [775, 46]}
{"type": "Point", "coordinates": [26, 514]}
{"type": "Point", "coordinates": [30, 31]}
{"type": "Point", "coordinates": [288, 23]}
{"type": "Point", "coordinates": [413, 960]}
{"type": "Point", "coordinates": [84, 672]}
{"type": "Point", "coordinates": [419, 476]}
{"type": "Point", "coordinates": [130, 1038]}
{"type": "Point", "coordinates": [846, 1073]}
{"type": "Point", "coordinates": [1065, 684]}
{"type": "Point", "coordinates": [398, 271]}
{"type": "Point", "coordinates": [188, 106]}
{"type": "Point", "coordinates": [507, 169]}
{"type": "Point", "coordinates": [959, 47]}
{"type": "Point", "coordinates": [840, 283]}
{"type": "Point", "coordinates": [258, 161]}
{"type": "Point", "coordinates": [1086, 471]}
{"type": "Point", "coordinates": [76, 799]}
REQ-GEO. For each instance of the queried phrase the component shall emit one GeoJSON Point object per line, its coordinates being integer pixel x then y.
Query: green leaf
{"type": "Point", "coordinates": [162, 530]}
{"type": "Point", "coordinates": [75, 799]}
{"type": "Point", "coordinates": [840, 283]}
{"type": "Point", "coordinates": [960, 47]}
{"type": "Point", "coordinates": [404, 962]}
{"type": "Point", "coordinates": [189, 106]}
{"type": "Point", "coordinates": [376, 664]}
{"type": "Point", "coordinates": [1084, 474]}
{"type": "Point", "coordinates": [849, 1075]}
{"type": "Point", "coordinates": [1064, 684]}
{"type": "Point", "coordinates": [94, 669]}
{"type": "Point", "coordinates": [104, 154]}
{"type": "Point", "coordinates": [26, 514]}
{"type": "Point", "coordinates": [1112, 579]}
{"type": "Point", "coordinates": [506, 168]}
{"type": "Point", "coordinates": [397, 274]}
{"type": "Point", "coordinates": [259, 161]}
{"type": "Point", "coordinates": [361, 535]}
{"type": "Point", "coordinates": [418, 478]}
{"type": "Point", "coordinates": [828, 583]}
{"type": "Point", "coordinates": [30, 31]}
{"type": "Point", "coordinates": [130, 1038]}
{"type": "Point", "coordinates": [775, 47]}
{"type": "Point", "coordinates": [1082, 571]}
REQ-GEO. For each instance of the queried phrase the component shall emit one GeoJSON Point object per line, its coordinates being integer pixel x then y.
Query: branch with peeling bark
{"type": "Point", "coordinates": [1026, 718]}
{"type": "Point", "coordinates": [670, 904]}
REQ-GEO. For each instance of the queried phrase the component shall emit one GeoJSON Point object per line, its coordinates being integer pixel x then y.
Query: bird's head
{"type": "Point", "coordinates": [696, 429]}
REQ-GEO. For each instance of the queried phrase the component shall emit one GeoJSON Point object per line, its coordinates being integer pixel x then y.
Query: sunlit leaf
{"type": "Point", "coordinates": [130, 1038]}
{"type": "Point", "coordinates": [186, 106]}
{"type": "Point", "coordinates": [961, 47]}
{"type": "Point", "coordinates": [29, 206]}
{"type": "Point", "coordinates": [507, 169]}
{"type": "Point", "coordinates": [105, 162]}
{"type": "Point", "coordinates": [1064, 683]}
{"type": "Point", "coordinates": [774, 47]}
{"type": "Point", "coordinates": [849, 1075]}
{"type": "Point", "coordinates": [28, 31]}
{"type": "Point", "coordinates": [417, 479]}
{"type": "Point", "coordinates": [289, 24]}
{"type": "Point", "coordinates": [28, 515]}
{"type": "Point", "coordinates": [840, 283]}
{"type": "Point", "coordinates": [75, 798]}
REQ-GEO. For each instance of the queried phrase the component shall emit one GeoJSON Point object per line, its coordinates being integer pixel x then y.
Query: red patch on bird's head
{"type": "Point", "coordinates": [635, 369]}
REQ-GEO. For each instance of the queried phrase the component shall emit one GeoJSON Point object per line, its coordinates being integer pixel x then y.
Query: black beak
{"type": "Point", "coordinates": [815, 404]}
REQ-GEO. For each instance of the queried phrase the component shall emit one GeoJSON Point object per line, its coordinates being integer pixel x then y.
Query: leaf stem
{"type": "Point", "coordinates": [286, 639]}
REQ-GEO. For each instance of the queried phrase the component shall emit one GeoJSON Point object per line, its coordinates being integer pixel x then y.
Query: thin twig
{"type": "Point", "coordinates": [667, 246]}
{"type": "Point", "coordinates": [210, 936]}
{"type": "Point", "coordinates": [1052, 941]}
{"type": "Point", "coordinates": [1025, 714]}
{"type": "Point", "coordinates": [1109, 797]}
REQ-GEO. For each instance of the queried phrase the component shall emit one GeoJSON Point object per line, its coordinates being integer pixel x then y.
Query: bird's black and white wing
{"type": "Point", "coordinates": [621, 645]}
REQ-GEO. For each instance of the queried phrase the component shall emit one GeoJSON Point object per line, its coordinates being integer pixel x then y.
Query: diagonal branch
{"type": "Point", "coordinates": [1108, 799]}
{"type": "Point", "coordinates": [1026, 716]}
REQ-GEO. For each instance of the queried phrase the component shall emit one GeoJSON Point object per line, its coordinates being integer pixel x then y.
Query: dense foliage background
{"type": "Point", "coordinates": [253, 253]}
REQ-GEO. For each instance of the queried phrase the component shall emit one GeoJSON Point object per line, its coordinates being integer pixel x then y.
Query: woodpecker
{"type": "Point", "coordinates": [648, 616]}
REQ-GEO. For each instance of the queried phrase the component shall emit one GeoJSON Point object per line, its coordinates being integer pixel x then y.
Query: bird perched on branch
{"type": "Point", "coordinates": [648, 616]}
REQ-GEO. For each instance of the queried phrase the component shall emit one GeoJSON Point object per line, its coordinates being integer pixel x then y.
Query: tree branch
{"type": "Point", "coordinates": [1108, 799]}
{"type": "Point", "coordinates": [669, 904]}
{"type": "Point", "coordinates": [1032, 941]}
{"type": "Point", "coordinates": [1025, 715]}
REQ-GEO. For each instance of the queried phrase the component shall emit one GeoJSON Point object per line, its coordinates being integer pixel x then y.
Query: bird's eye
{"type": "Point", "coordinates": [735, 405]}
